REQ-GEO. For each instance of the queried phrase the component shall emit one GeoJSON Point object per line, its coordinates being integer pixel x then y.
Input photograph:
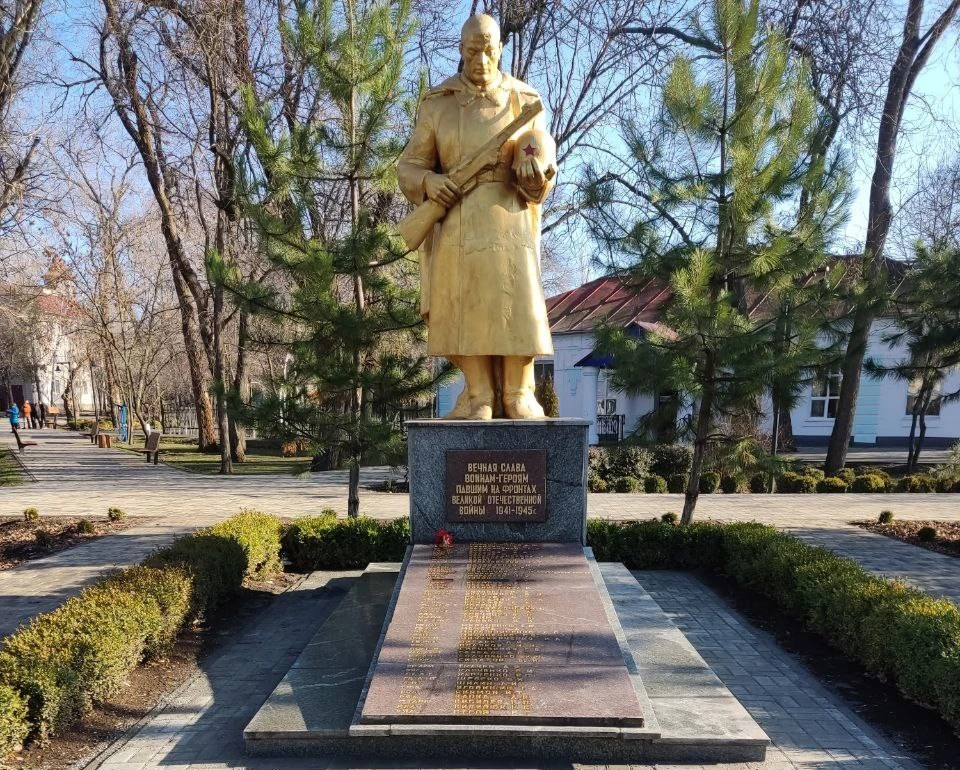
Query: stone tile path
{"type": "Point", "coordinates": [200, 728]}
{"type": "Point", "coordinates": [75, 478]}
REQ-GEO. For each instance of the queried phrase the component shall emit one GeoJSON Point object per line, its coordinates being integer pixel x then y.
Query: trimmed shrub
{"type": "Point", "coordinates": [677, 483]}
{"type": "Point", "coordinates": [670, 518]}
{"type": "Point", "coordinates": [759, 483]}
{"type": "Point", "coordinates": [793, 483]}
{"type": "Point", "coordinates": [885, 517]}
{"type": "Point", "coordinates": [628, 484]}
{"type": "Point", "coordinates": [832, 484]}
{"type": "Point", "coordinates": [927, 534]}
{"type": "Point", "coordinates": [14, 727]}
{"type": "Point", "coordinates": [870, 483]}
{"type": "Point", "coordinates": [709, 482]}
{"type": "Point", "coordinates": [258, 534]}
{"type": "Point", "coordinates": [115, 514]}
{"type": "Point", "coordinates": [348, 544]}
{"type": "Point", "coordinates": [54, 669]}
{"type": "Point", "coordinates": [300, 541]}
{"type": "Point", "coordinates": [898, 633]}
{"type": "Point", "coordinates": [732, 484]}
{"type": "Point", "coordinates": [171, 589]}
{"type": "Point", "coordinates": [816, 474]}
{"type": "Point", "coordinates": [68, 659]}
{"type": "Point", "coordinates": [596, 483]}
{"type": "Point", "coordinates": [670, 460]}
{"type": "Point", "coordinates": [598, 462]}
{"type": "Point", "coordinates": [85, 527]}
{"type": "Point", "coordinates": [847, 474]}
{"type": "Point", "coordinates": [629, 461]}
{"type": "Point", "coordinates": [31, 514]}
{"type": "Point", "coordinates": [918, 482]}
{"type": "Point", "coordinates": [655, 485]}
{"type": "Point", "coordinates": [943, 484]}
{"type": "Point", "coordinates": [393, 540]}
{"type": "Point", "coordinates": [216, 566]}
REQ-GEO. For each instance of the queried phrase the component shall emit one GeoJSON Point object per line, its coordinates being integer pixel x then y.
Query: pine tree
{"type": "Point", "coordinates": [714, 188]}
{"type": "Point", "coordinates": [928, 326]}
{"type": "Point", "coordinates": [321, 196]}
{"type": "Point", "coordinates": [546, 395]}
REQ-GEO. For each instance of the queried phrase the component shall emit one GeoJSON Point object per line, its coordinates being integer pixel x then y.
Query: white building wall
{"type": "Point", "coordinates": [881, 414]}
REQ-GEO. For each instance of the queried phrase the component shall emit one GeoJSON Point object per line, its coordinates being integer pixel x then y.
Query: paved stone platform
{"type": "Point", "coordinates": [691, 716]}
{"type": "Point", "coordinates": [200, 727]}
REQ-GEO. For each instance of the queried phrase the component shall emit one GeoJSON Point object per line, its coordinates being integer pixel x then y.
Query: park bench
{"type": "Point", "coordinates": [92, 434]}
{"type": "Point", "coordinates": [153, 446]}
{"type": "Point", "coordinates": [21, 444]}
{"type": "Point", "coordinates": [51, 419]}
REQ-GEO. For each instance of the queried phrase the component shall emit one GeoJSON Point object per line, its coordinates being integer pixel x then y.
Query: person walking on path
{"type": "Point", "coordinates": [27, 415]}
{"type": "Point", "coordinates": [14, 413]}
{"type": "Point", "coordinates": [41, 414]}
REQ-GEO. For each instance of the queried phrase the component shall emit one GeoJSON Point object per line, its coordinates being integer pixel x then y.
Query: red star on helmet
{"type": "Point", "coordinates": [529, 150]}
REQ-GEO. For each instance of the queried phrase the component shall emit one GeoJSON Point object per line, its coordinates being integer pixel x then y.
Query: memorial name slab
{"type": "Point", "coordinates": [500, 633]}
{"type": "Point", "coordinates": [486, 486]}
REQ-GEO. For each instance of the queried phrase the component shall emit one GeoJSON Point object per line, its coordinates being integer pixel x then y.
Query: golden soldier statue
{"type": "Point", "coordinates": [482, 297]}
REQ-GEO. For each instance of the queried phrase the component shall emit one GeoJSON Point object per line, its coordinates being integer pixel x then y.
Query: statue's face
{"type": "Point", "coordinates": [480, 49]}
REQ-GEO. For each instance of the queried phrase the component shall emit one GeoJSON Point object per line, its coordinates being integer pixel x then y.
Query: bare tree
{"type": "Point", "coordinates": [916, 46]}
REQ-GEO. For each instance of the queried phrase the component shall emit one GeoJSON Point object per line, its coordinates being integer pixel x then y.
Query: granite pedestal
{"type": "Point", "coordinates": [563, 444]}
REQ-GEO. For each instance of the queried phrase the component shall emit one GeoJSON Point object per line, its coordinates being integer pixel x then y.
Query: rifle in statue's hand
{"type": "Point", "coordinates": [416, 226]}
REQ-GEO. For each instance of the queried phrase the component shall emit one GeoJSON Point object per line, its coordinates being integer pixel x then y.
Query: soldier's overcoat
{"type": "Point", "coordinates": [480, 271]}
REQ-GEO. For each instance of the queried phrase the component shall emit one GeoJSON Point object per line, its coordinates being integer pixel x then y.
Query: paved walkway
{"type": "Point", "coordinates": [75, 478]}
{"type": "Point", "coordinates": [200, 728]}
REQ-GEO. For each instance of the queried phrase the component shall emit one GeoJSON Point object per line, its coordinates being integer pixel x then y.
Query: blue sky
{"type": "Point", "coordinates": [931, 135]}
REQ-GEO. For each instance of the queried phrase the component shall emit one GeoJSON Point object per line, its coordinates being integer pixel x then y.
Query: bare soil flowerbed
{"type": "Point", "coordinates": [19, 543]}
{"type": "Point", "coordinates": [948, 533]}
{"type": "Point", "coordinates": [150, 684]}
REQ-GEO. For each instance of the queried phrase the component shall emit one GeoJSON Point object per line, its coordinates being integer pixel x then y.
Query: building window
{"type": "Point", "coordinates": [913, 390]}
{"type": "Point", "coordinates": [542, 370]}
{"type": "Point", "coordinates": [826, 393]}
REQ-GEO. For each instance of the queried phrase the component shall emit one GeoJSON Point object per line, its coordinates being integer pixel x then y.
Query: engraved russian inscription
{"type": "Point", "coordinates": [496, 485]}
{"type": "Point", "coordinates": [497, 645]}
{"type": "Point", "coordinates": [425, 646]}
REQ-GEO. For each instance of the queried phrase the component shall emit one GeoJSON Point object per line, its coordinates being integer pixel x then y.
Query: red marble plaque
{"type": "Point", "coordinates": [494, 485]}
{"type": "Point", "coordinates": [500, 633]}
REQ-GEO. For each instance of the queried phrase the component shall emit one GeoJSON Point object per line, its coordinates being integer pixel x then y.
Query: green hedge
{"type": "Point", "coordinates": [13, 720]}
{"type": "Point", "coordinates": [898, 633]}
{"type": "Point", "coordinates": [258, 534]}
{"type": "Point", "coordinates": [869, 482]}
{"type": "Point", "coordinates": [831, 484]}
{"type": "Point", "coordinates": [325, 542]}
{"type": "Point", "coordinates": [54, 669]}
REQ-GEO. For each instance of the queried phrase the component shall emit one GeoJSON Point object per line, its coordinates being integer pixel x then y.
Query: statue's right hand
{"type": "Point", "coordinates": [440, 189]}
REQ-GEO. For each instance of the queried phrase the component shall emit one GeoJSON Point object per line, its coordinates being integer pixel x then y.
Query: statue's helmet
{"type": "Point", "coordinates": [535, 143]}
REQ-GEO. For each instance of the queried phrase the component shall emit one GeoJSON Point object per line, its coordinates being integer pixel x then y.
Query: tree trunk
{"type": "Point", "coordinates": [911, 443]}
{"type": "Point", "coordinates": [238, 437]}
{"type": "Point", "coordinates": [914, 52]}
{"type": "Point", "coordinates": [223, 424]}
{"type": "Point", "coordinates": [704, 420]}
{"type": "Point", "coordinates": [199, 384]}
{"type": "Point", "coordinates": [849, 390]}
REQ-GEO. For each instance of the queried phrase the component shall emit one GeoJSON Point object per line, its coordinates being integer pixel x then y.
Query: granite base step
{"type": "Point", "coordinates": [689, 714]}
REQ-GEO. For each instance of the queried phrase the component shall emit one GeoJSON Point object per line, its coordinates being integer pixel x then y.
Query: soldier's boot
{"type": "Point", "coordinates": [476, 400]}
{"type": "Point", "coordinates": [519, 401]}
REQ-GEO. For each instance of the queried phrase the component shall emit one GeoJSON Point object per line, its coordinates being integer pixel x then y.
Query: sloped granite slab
{"type": "Point", "coordinates": [501, 633]}
{"type": "Point", "coordinates": [690, 716]}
